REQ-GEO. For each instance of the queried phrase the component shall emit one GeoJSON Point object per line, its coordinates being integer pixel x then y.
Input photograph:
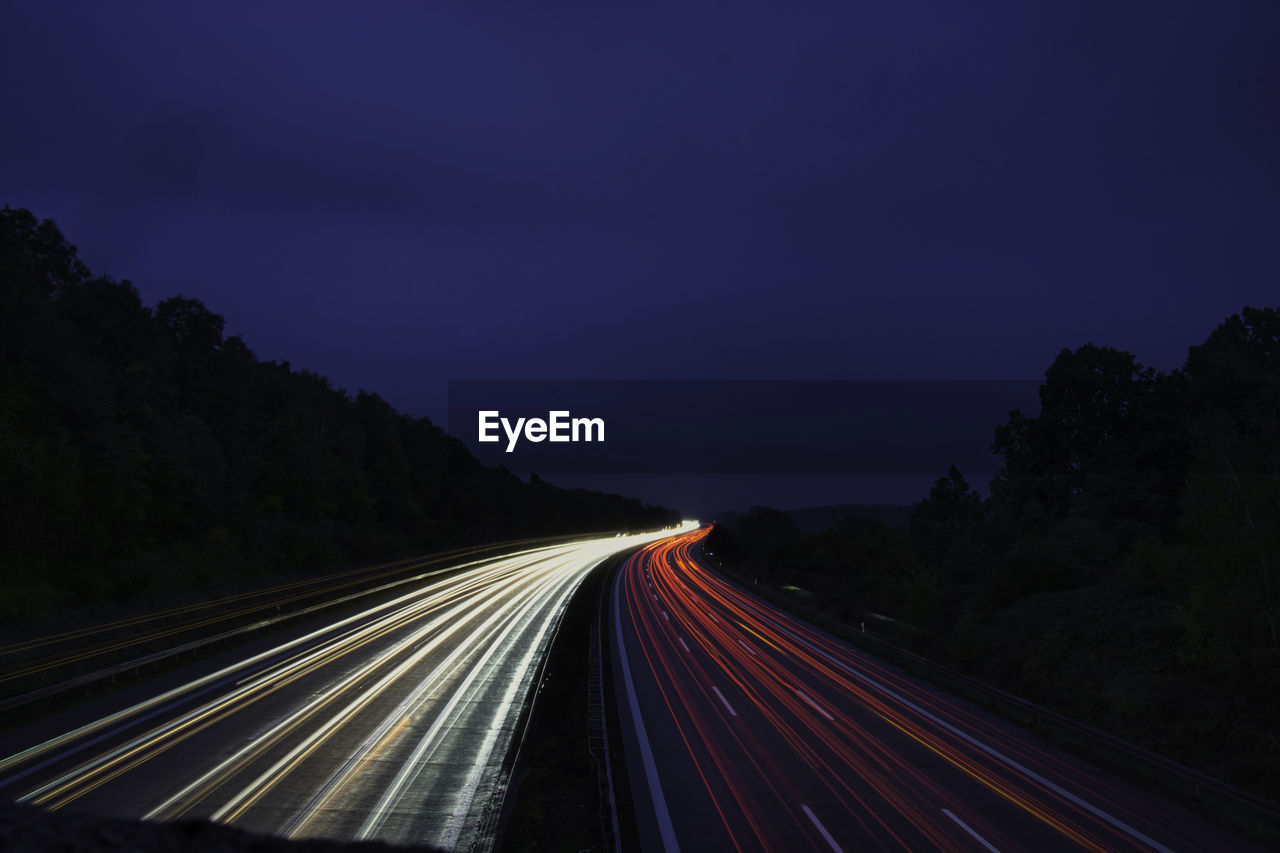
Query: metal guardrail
{"type": "Point", "coordinates": [494, 821]}
{"type": "Point", "coordinates": [115, 670]}
{"type": "Point", "coordinates": [111, 672]}
{"type": "Point", "coordinates": [1240, 809]}
{"type": "Point", "coordinates": [597, 734]}
{"type": "Point", "coordinates": [597, 725]}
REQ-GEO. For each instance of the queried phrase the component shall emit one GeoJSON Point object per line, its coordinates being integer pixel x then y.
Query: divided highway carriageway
{"type": "Point", "coordinates": [744, 728]}
{"type": "Point", "coordinates": [392, 721]}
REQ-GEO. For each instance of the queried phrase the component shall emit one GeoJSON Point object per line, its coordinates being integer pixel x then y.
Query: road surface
{"type": "Point", "coordinates": [747, 729]}
{"type": "Point", "coordinates": [390, 723]}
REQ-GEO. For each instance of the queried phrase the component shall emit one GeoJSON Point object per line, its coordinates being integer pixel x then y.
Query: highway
{"type": "Point", "coordinates": [391, 722]}
{"type": "Point", "coordinates": [96, 646]}
{"type": "Point", "coordinates": [744, 728]}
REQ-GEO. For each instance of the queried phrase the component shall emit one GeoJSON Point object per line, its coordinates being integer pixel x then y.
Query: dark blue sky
{"type": "Point", "coordinates": [396, 194]}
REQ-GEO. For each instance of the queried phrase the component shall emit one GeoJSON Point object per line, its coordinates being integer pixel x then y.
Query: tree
{"type": "Point", "coordinates": [1233, 496]}
{"type": "Point", "coordinates": [140, 448]}
{"type": "Point", "coordinates": [947, 526]}
{"type": "Point", "coordinates": [1107, 445]}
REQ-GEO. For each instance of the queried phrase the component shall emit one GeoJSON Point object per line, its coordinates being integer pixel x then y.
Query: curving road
{"type": "Point", "coordinates": [747, 729]}
{"type": "Point", "coordinates": [391, 723]}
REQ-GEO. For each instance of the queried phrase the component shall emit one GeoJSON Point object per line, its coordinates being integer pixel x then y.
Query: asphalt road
{"type": "Point", "coordinates": [390, 723]}
{"type": "Point", "coordinates": [746, 729]}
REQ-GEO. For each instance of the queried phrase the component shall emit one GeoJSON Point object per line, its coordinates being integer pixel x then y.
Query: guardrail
{"type": "Point", "coordinates": [1246, 812]}
{"type": "Point", "coordinates": [112, 672]}
{"type": "Point", "coordinates": [597, 724]}
{"type": "Point", "coordinates": [597, 728]}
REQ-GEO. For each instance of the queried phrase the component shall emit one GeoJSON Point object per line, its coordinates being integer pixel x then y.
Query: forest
{"type": "Point", "coordinates": [145, 456]}
{"type": "Point", "coordinates": [1123, 568]}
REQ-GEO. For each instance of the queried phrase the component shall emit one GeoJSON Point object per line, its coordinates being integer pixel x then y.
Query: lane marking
{"type": "Point", "coordinates": [814, 705]}
{"type": "Point", "coordinates": [748, 648]}
{"type": "Point", "coordinates": [453, 831]}
{"type": "Point", "coordinates": [475, 569]}
{"type": "Point", "coordinates": [666, 615]}
{"type": "Point", "coordinates": [321, 800]}
{"type": "Point", "coordinates": [989, 750]}
{"type": "Point", "coordinates": [976, 837]}
{"type": "Point", "coordinates": [509, 614]}
{"type": "Point", "coordinates": [725, 701]}
{"type": "Point", "coordinates": [683, 643]}
{"type": "Point", "coordinates": [813, 817]}
{"type": "Point", "coordinates": [665, 829]}
{"type": "Point", "coordinates": [430, 600]}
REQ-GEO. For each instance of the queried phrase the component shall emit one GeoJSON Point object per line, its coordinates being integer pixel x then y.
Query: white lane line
{"type": "Point", "coordinates": [976, 837]}
{"type": "Point", "coordinates": [814, 705]}
{"type": "Point", "coordinates": [492, 633]}
{"type": "Point", "coordinates": [725, 701]}
{"type": "Point", "coordinates": [745, 646]}
{"type": "Point", "coordinates": [683, 643]}
{"type": "Point", "coordinates": [989, 750]}
{"type": "Point", "coordinates": [666, 615]}
{"type": "Point", "coordinates": [522, 600]}
{"type": "Point", "coordinates": [655, 598]}
{"type": "Point", "coordinates": [462, 812]}
{"type": "Point", "coordinates": [432, 589]}
{"type": "Point", "coordinates": [813, 817]}
{"type": "Point", "coordinates": [665, 829]}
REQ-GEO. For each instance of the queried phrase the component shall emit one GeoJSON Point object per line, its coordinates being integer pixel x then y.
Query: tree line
{"type": "Point", "coordinates": [142, 450]}
{"type": "Point", "coordinates": [1167, 481]}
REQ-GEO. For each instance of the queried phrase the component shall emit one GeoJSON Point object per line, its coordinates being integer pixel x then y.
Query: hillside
{"type": "Point", "coordinates": [146, 457]}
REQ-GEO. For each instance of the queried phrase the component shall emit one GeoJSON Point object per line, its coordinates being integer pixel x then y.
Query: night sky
{"type": "Point", "coordinates": [399, 194]}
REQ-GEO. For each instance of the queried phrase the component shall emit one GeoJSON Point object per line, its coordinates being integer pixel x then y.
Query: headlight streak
{"type": "Point", "coordinates": [236, 806]}
{"type": "Point", "coordinates": [700, 636]}
{"type": "Point", "coordinates": [173, 732]}
{"type": "Point", "coordinates": [470, 786]}
{"type": "Point", "coordinates": [412, 768]}
{"type": "Point", "coordinates": [133, 712]}
{"type": "Point", "coordinates": [351, 768]}
{"type": "Point", "coordinates": [268, 598]}
{"type": "Point", "coordinates": [40, 642]}
{"type": "Point", "coordinates": [431, 680]}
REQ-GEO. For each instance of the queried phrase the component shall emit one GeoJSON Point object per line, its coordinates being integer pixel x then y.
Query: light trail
{"type": "Point", "coordinates": [772, 717]}
{"type": "Point", "coordinates": [22, 659]}
{"type": "Point", "coordinates": [390, 723]}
